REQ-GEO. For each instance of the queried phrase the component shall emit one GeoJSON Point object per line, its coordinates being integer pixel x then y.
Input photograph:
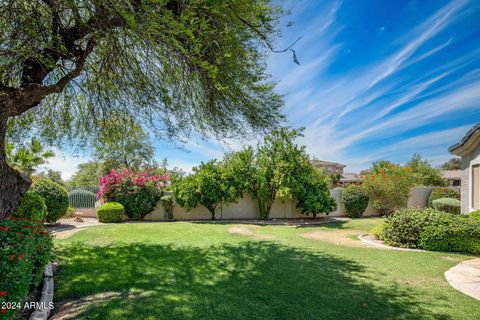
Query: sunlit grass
{"type": "Point", "coordinates": [188, 270]}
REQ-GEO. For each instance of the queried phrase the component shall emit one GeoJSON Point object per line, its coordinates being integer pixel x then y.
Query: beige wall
{"type": "Point", "coordinates": [466, 188]}
{"type": "Point", "coordinates": [246, 208]}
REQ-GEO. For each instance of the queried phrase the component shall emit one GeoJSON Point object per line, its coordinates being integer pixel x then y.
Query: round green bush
{"type": "Point", "coordinates": [355, 200]}
{"type": "Point", "coordinates": [82, 198]}
{"type": "Point", "coordinates": [32, 206]}
{"type": "Point", "coordinates": [403, 228]}
{"type": "Point", "coordinates": [439, 193]}
{"type": "Point", "coordinates": [448, 205]}
{"type": "Point", "coordinates": [452, 233]}
{"type": "Point", "coordinates": [56, 198]}
{"type": "Point", "coordinates": [110, 212]}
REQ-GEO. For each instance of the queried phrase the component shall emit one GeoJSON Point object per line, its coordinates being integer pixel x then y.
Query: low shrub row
{"type": "Point", "coordinates": [110, 212]}
{"type": "Point", "coordinates": [25, 248]}
{"type": "Point", "coordinates": [431, 229]}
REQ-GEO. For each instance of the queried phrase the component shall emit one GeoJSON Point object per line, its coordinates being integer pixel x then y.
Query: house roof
{"type": "Point", "coordinates": [349, 177]}
{"type": "Point", "coordinates": [326, 163]}
{"type": "Point", "coordinates": [452, 174]}
{"type": "Point", "coordinates": [468, 142]}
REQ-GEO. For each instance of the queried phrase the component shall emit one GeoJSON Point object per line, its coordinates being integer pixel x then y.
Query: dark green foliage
{"type": "Point", "coordinates": [87, 175]}
{"type": "Point", "coordinates": [56, 198]}
{"type": "Point", "coordinates": [32, 206]}
{"type": "Point", "coordinates": [82, 198]}
{"type": "Point", "coordinates": [314, 195]}
{"type": "Point", "coordinates": [168, 203]}
{"type": "Point", "coordinates": [403, 228]}
{"type": "Point", "coordinates": [424, 173]}
{"type": "Point", "coordinates": [452, 164]}
{"type": "Point", "coordinates": [452, 233]}
{"type": "Point", "coordinates": [25, 249]}
{"type": "Point", "coordinates": [433, 230]}
{"type": "Point", "coordinates": [207, 186]}
{"type": "Point", "coordinates": [110, 212]}
{"type": "Point", "coordinates": [355, 200]}
{"type": "Point", "coordinates": [448, 205]}
{"type": "Point", "coordinates": [139, 203]}
{"type": "Point", "coordinates": [438, 193]}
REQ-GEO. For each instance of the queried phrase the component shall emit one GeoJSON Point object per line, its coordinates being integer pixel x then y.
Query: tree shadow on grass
{"type": "Point", "coordinates": [249, 280]}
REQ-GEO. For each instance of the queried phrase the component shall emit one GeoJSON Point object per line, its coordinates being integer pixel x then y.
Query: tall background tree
{"type": "Point", "coordinates": [452, 164]}
{"type": "Point", "coordinates": [173, 66]}
{"type": "Point", "coordinates": [130, 148]}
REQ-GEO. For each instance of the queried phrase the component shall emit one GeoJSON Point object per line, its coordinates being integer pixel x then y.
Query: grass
{"type": "Point", "coordinates": [201, 271]}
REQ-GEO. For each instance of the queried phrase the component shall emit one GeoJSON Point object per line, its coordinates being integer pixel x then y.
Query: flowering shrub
{"type": "Point", "coordinates": [25, 248]}
{"type": "Point", "coordinates": [389, 188]}
{"type": "Point", "coordinates": [138, 192]}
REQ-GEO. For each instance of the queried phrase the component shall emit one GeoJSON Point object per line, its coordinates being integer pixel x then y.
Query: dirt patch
{"type": "Point", "coordinates": [247, 232]}
{"type": "Point", "coordinates": [72, 308]}
{"type": "Point", "coordinates": [240, 230]}
{"type": "Point", "coordinates": [65, 234]}
{"type": "Point", "coordinates": [339, 237]}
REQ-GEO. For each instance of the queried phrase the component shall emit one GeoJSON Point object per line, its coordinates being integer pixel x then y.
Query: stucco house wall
{"type": "Point", "coordinates": [468, 161]}
{"type": "Point", "coordinates": [469, 150]}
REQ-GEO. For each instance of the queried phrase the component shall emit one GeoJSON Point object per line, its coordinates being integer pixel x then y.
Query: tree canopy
{"type": "Point", "coordinates": [452, 164]}
{"type": "Point", "coordinates": [129, 148]}
{"type": "Point", "coordinates": [173, 66]}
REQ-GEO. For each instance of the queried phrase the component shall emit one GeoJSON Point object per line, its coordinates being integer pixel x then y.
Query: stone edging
{"type": "Point", "coordinates": [378, 243]}
{"type": "Point", "coordinates": [42, 312]}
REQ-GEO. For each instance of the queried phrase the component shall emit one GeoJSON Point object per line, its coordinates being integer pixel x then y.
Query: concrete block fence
{"type": "Point", "coordinates": [246, 208]}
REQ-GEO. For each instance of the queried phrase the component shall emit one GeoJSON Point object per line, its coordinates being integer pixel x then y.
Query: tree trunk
{"type": "Point", "coordinates": [212, 211]}
{"type": "Point", "coordinates": [12, 183]}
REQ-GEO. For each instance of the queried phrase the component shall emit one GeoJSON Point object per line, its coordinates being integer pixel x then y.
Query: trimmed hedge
{"type": "Point", "coordinates": [25, 249]}
{"type": "Point", "coordinates": [110, 212]}
{"type": "Point", "coordinates": [355, 200]}
{"type": "Point", "coordinates": [31, 206]}
{"type": "Point", "coordinates": [439, 193]}
{"type": "Point", "coordinates": [56, 198]}
{"type": "Point", "coordinates": [448, 205]}
{"type": "Point", "coordinates": [430, 229]}
{"type": "Point", "coordinates": [452, 233]}
{"type": "Point", "coordinates": [403, 228]}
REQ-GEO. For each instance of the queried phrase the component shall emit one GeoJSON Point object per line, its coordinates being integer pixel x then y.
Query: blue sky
{"type": "Point", "coordinates": [377, 80]}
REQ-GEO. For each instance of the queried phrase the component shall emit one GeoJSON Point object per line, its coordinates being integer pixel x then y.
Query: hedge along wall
{"type": "Point", "coordinates": [246, 208]}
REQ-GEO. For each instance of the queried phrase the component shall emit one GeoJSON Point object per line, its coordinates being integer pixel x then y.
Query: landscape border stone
{"type": "Point", "coordinates": [43, 310]}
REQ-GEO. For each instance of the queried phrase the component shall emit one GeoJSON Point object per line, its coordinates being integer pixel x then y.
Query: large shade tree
{"type": "Point", "coordinates": [172, 65]}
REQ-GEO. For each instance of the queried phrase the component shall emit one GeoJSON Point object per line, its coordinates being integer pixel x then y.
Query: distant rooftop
{"type": "Point", "coordinates": [322, 163]}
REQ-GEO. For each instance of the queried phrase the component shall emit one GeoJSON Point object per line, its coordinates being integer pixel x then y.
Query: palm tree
{"type": "Point", "coordinates": [27, 158]}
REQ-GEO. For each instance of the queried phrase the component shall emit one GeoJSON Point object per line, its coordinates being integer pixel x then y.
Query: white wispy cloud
{"type": "Point", "coordinates": [377, 101]}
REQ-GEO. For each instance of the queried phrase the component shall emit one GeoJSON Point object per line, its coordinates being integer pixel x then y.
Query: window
{"type": "Point", "coordinates": [476, 186]}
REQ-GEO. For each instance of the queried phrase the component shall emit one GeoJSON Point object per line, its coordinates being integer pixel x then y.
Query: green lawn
{"type": "Point", "coordinates": [202, 271]}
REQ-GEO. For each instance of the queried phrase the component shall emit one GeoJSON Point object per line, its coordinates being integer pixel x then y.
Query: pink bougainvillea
{"type": "Point", "coordinates": [138, 192]}
{"type": "Point", "coordinates": [127, 180]}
